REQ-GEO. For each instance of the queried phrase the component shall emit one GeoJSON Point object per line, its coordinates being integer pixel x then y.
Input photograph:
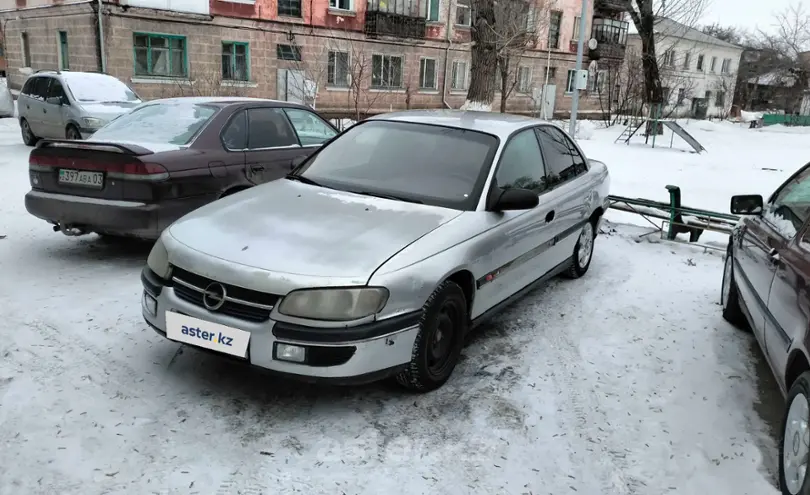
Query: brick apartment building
{"type": "Point", "coordinates": [340, 55]}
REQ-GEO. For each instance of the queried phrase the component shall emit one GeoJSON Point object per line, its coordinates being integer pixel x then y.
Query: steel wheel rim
{"type": "Point", "coordinates": [73, 134]}
{"type": "Point", "coordinates": [26, 130]}
{"type": "Point", "coordinates": [585, 245]}
{"type": "Point", "coordinates": [796, 444]}
{"type": "Point", "coordinates": [442, 341]}
{"type": "Point", "coordinates": [726, 289]}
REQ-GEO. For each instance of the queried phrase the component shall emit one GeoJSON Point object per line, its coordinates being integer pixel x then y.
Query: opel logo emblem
{"type": "Point", "coordinates": [214, 296]}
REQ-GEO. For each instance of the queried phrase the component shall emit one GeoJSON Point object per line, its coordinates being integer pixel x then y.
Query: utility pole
{"type": "Point", "coordinates": [572, 126]}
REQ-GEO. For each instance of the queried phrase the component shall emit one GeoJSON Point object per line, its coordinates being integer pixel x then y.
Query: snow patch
{"type": "Point", "coordinates": [585, 129]}
{"type": "Point", "coordinates": [476, 106]}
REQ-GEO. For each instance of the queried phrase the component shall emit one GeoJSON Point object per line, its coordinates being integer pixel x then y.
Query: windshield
{"type": "Point", "coordinates": [423, 163]}
{"type": "Point", "coordinates": [98, 88]}
{"type": "Point", "coordinates": [164, 123]}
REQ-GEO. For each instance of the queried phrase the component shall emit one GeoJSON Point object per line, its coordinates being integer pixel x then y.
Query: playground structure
{"type": "Point", "coordinates": [676, 218]}
{"type": "Point", "coordinates": [654, 123]}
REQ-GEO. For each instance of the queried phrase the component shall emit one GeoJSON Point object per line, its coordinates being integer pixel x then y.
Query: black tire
{"type": "Point", "coordinates": [800, 387]}
{"type": "Point", "coordinates": [72, 132]}
{"type": "Point", "coordinates": [27, 136]}
{"type": "Point", "coordinates": [578, 269]}
{"type": "Point", "coordinates": [732, 312]}
{"type": "Point", "coordinates": [444, 312]}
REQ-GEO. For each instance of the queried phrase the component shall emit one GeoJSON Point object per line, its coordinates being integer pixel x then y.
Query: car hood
{"type": "Point", "coordinates": [293, 228]}
{"type": "Point", "coordinates": [107, 111]}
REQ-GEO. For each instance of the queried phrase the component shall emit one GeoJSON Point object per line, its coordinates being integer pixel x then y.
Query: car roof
{"type": "Point", "coordinates": [220, 100]}
{"type": "Point", "coordinates": [497, 124]}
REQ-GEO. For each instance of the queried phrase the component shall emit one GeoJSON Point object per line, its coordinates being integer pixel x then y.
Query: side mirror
{"type": "Point", "coordinates": [515, 199]}
{"type": "Point", "coordinates": [748, 204]}
{"type": "Point", "coordinates": [54, 100]}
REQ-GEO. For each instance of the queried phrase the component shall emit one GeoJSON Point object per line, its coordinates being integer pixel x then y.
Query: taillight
{"type": "Point", "coordinates": [133, 170]}
{"type": "Point", "coordinates": [137, 171]}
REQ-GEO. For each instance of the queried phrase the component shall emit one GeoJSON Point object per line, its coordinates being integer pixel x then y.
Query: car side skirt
{"type": "Point", "coordinates": [488, 314]}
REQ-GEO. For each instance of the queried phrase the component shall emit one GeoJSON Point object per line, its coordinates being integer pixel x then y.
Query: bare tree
{"type": "Point", "coordinates": [621, 88]}
{"type": "Point", "coordinates": [204, 82]}
{"type": "Point", "coordinates": [518, 22]}
{"type": "Point", "coordinates": [644, 14]}
{"type": "Point", "coordinates": [729, 34]}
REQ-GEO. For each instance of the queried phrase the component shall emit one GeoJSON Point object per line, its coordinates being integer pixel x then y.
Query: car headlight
{"type": "Point", "coordinates": [92, 123]}
{"type": "Point", "coordinates": [158, 260]}
{"type": "Point", "coordinates": [334, 304]}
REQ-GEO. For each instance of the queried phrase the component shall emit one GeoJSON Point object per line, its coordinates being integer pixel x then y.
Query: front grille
{"type": "Point", "coordinates": [241, 303]}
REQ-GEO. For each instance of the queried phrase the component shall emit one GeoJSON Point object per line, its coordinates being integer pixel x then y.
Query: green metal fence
{"type": "Point", "coordinates": [797, 120]}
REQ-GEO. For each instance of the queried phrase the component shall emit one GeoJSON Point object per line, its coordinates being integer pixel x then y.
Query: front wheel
{"type": "Point", "coordinates": [730, 297]}
{"type": "Point", "coordinates": [794, 447]}
{"type": "Point", "coordinates": [438, 344]}
{"type": "Point", "coordinates": [73, 133]}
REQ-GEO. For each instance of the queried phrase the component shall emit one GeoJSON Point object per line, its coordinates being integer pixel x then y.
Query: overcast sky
{"type": "Point", "coordinates": [748, 14]}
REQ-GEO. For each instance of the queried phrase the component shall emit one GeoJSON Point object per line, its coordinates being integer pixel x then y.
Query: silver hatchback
{"type": "Point", "coordinates": [70, 105]}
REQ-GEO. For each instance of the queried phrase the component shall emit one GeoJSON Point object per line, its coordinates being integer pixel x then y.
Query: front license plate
{"type": "Point", "coordinates": [207, 334]}
{"type": "Point", "coordinates": [81, 178]}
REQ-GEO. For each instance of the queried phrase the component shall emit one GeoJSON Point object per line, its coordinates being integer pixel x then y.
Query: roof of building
{"type": "Point", "coordinates": [667, 27]}
{"type": "Point", "coordinates": [498, 124]}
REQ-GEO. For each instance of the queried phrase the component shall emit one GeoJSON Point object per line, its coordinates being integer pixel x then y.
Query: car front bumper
{"type": "Point", "coordinates": [128, 218]}
{"type": "Point", "coordinates": [350, 355]}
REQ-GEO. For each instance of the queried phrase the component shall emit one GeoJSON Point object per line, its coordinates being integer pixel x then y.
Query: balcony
{"type": "Point", "coordinates": [611, 36]}
{"type": "Point", "coordinates": [609, 6]}
{"type": "Point", "coordinates": [396, 18]}
{"type": "Point", "coordinates": [607, 51]}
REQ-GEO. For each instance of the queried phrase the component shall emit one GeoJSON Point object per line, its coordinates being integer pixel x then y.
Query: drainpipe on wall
{"type": "Point", "coordinates": [103, 57]}
{"type": "Point", "coordinates": [447, 54]}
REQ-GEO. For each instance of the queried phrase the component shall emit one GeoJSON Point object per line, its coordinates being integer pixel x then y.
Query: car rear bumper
{"type": "Point", "coordinates": [354, 360]}
{"type": "Point", "coordinates": [128, 218]}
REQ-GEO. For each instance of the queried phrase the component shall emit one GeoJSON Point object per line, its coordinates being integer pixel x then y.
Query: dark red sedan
{"type": "Point", "coordinates": [147, 168]}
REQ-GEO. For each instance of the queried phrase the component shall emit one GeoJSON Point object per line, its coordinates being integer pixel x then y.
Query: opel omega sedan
{"type": "Point", "coordinates": [377, 255]}
{"type": "Point", "coordinates": [765, 290]}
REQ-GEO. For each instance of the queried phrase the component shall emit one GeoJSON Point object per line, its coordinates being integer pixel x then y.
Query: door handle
{"type": "Point", "coordinates": [256, 168]}
{"type": "Point", "coordinates": [549, 216]}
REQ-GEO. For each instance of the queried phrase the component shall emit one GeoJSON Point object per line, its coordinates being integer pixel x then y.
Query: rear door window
{"type": "Point", "coordinates": [234, 137]}
{"type": "Point", "coordinates": [563, 160]}
{"type": "Point", "coordinates": [39, 87]}
{"type": "Point", "coordinates": [269, 128]}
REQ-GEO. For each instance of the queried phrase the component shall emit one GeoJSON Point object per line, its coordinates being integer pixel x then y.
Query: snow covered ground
{"type": "Point", "coordinates": [624, 382]}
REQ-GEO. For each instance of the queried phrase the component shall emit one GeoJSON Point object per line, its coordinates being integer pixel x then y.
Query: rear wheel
{"type": "Point", "coordinates": [72, 132]}
{"type": "Point", "coordinates": [729, 297]}
{"type": "Point", "coordinates": [27, 136]}
{"type": "Point", "coordinates": [438, 344]}
{"type": "Point", "coordinates": [583, 251]}
{"type": "Point", "coordinates": [794, 448]}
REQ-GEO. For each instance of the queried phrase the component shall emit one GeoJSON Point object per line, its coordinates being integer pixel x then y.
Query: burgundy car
{"type": "Point", "coordinates": [766, 289]}
{"type": "Point", "coordinates": [147, 168]}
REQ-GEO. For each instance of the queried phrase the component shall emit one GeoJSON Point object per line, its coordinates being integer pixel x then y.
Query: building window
{"type": "Point", "coordinates": [235, 61]}
{"type": "Point", "coordinates": [551, 74]}
{"type": "Point", "coordinates": [64, 58]}
{"type": "Point", "coordinates": [463, 13]}
{"type": "Point", "coordinates": [700, 63]}
{"type": "Point", "coordinates": [708, 96]}
{"type": "Point", "coordinates": [609, 31]}
{"type": "Point", "coordinates": [26, 50]}
{"type": "Point", "coordinates": [681, 95]}
{"type": "Point", "coordinates": [575, 37]}
{"type": "Point", "coordinates": [524, 79]}
{"type": "Point", "coordinates": [288, 52]}
{"type": "Point", "coordinates": [569, 87]}
{"type": "Point", "coordinates": [597, 82]}
{"type": "Point", "coordinates": [433, 10]}
{"type": "Point", "coordinates": [427, 73]}
{"type": "Point", "coordinates": [669, 58]}
{"type": "Point", "coordinates": [341, 4]}
{"type": "Point", "coordinates": [386, 71]}
{"type": "Point", "coordinates": [290, 8]}
{"type": "Point", "coordinates": [667, 94]}
{"type": "Point", "coordinates": [458, 78]}
{"type": "Point", "coordinates": [720, 99]}
{"type": "Point", "coordinates": [713, 65]}
{"type": "Point", "coordinates": [726, 67]}
{"type": "Point", "coordinates": [337, 71]}
{"type": "Point", "coordinates": [555, 21]}
{"type": "Point", "coordinates": [687, 60]}
{"type": "Point", "coordinates": [160, 55]}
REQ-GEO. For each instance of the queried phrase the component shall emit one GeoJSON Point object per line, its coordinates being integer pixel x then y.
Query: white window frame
{"type": "Point", "coordinates": [701, 63]}
{"type": "Point", "coordinates": [597, 82]}
{"type": "Point", "coordinates": [687, 61]}
{"type": "Point", "coordinates": [25, 49]}
{"type": "Point", "coordinates": [422, 65]}
{"type": "Point", "coordinates": [427, 14]}
{"type": "Point", "coordinates": [346, 83]}
{"type": "Point", "coordinates": [669, 58]}
{"type": "Point", "coordinates": [725, 67]}
{"type": "Point", "coordinates": [335, 5]}
{"type": "Point", "coordinates": [713, 66]}
{"type": "Point", "coordinates": [575, 37]}
{"type": "Point", "coordinates": [382, 66]}
{"type": "Point", "coordinates": [454, 73]}
{"type": "Point", "coordinates": [524, 69]}
{"type": "Point", "coordinates": [569, 85]}
{"type": "Point", "coordinates": [468, 8]}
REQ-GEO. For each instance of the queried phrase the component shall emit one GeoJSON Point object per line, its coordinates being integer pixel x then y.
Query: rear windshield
{"type": "Point", "coordinates": [429, 164]}
{"type": "Point", "coordinates": [98, 88]}
{"type": "Point", "coordinates": [163, 123]}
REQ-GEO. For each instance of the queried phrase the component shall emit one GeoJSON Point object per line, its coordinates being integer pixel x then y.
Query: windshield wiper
{"type": "Point", "coordinates": [388, 196]}
{"type": "Point", "coordinates": [305, 180]}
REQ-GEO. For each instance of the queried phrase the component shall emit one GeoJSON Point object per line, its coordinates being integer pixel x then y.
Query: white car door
{"type": "Point", "coordinates": [569, 192]}
{"type": "Point", "coordinates": [517, 243]}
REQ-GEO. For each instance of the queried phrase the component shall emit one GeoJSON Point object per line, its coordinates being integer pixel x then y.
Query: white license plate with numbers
{"type": "Point", "coordinates": [81, 178]}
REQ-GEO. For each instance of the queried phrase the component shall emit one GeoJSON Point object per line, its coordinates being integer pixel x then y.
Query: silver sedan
{"type": "Point", "coordinates": [376, 256]}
